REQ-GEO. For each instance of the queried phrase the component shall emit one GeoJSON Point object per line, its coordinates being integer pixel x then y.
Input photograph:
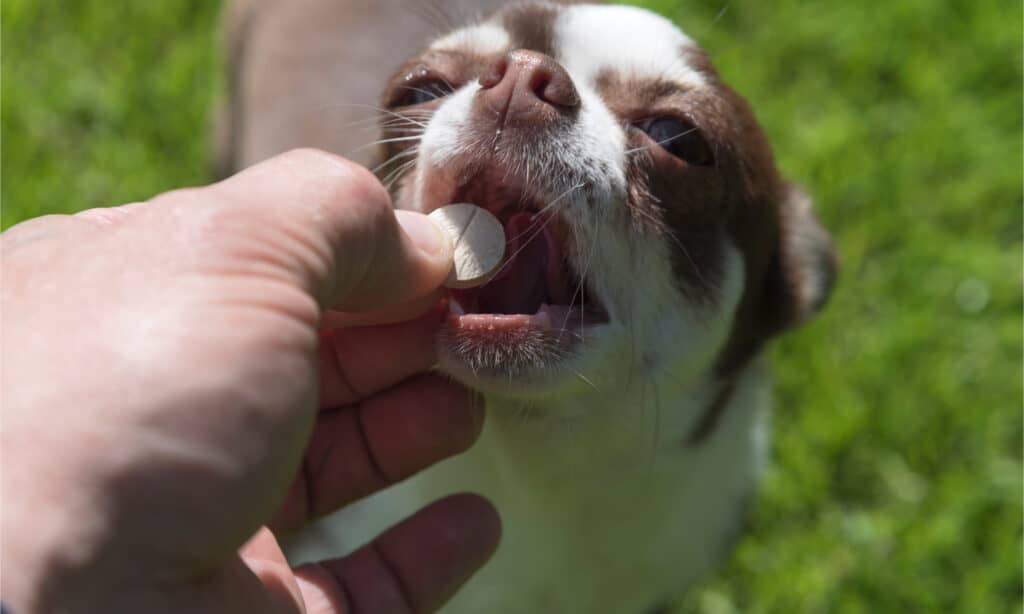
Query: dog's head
{"type": "Point", "coordinates": [648, 229]}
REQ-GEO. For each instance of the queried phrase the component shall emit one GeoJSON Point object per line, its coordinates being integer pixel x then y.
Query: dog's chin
{"type": "Point", "coordinates": [520, 356]}
{"type": "Point", "coordinates": [527, 332]}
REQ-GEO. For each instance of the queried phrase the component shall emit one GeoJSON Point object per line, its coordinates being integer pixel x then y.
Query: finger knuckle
{"type": "Point", "coordinates": [337, 186]}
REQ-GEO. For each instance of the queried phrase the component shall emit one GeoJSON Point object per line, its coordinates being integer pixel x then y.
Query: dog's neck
{"type": "Point", "coordinates": [622, 427]}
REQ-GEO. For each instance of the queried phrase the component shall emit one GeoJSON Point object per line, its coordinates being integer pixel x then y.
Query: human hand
{"type": "Point", "coordinates": [168, 389]}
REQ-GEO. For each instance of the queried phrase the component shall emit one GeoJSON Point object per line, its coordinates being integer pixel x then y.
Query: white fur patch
{"type": "Point", "coordinates": [443, 139]}
{"type": "Point", "coordinates": [625, 39]}
{"type": "Point", "coordinates": [484, 39]}
{"type": "Point", "coordinates": [612, 513]}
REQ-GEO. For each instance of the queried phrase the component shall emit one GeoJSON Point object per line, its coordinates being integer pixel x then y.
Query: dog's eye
{"type": "Point", "coordinates": [421, 91]}
{"type": "Point", "coordinates": [680, 138]}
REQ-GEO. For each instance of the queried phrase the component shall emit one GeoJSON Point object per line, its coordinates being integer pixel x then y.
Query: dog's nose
{"type": "Point", "coordinates": [528, 86]}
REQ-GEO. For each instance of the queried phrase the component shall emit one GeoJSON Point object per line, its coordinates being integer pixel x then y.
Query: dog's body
{"type": "Point", "coordinates": [626, 406]}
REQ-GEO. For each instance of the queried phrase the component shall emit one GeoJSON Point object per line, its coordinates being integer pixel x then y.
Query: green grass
{"type": "Point", "coordinates": [896, 477]}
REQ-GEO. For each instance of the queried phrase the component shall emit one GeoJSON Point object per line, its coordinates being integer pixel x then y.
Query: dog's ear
{"type": "Point", "coordinates": [803, 271]}
{"type": "Point", "coordinates": [793, 285]}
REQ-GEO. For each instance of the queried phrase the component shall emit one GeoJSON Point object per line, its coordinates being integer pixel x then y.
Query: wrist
{"type": "Point", "coordinates": [50, 528]}
{"type": "Point", "coordinates": [41, 561]}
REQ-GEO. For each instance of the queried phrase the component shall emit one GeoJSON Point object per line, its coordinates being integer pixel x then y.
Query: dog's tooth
{"type": "Point", "coordinates": [455, 308]}
{"type": "Point", "coordinates": [541, 319]}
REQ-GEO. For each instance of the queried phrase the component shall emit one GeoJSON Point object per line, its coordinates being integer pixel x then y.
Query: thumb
{"type": "Point", "coordinates": [338, 234]}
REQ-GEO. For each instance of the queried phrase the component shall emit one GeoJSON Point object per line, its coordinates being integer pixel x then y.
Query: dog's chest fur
{"type": "Point", "coordinates": [614, 513]}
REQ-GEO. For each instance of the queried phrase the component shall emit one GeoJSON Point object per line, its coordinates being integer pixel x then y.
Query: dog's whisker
{"type": "Point", "coordinates": [434, 15]}
{"type": "Point", "coordinates": [538, 219]}
{"type": "Point", "coordinates": [686, 252]}
{"type": "Point", "coordinates": [412, 88]}
{"type": "Point", "coordinates": [659, 143]}
{"type": "Point", "coordinates": [397, 173]}
{"type": "Point", "coordinates": [581, 287]}
{"type": "Point", "coordinates": [403, 121]}
{"type": "Point", "coordinates": [383, 142]}
{"type": "Point", "coordinates": [585, 380]}
{"type": "Point", "coordinates": [381, 110]}
{"type": "Point", "coordinates": [396, 158]}
{"type": "Point", "coordinates": [721, 13]}
{"type": "Point", "coordinates": [543, 225]}
{"type": "Point", "coordinates": [412, 151]}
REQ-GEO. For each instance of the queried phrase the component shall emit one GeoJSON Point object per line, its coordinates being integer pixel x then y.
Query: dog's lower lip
{"type": "Point", "coordinates": [548, 318]}
{"type": "Point", "coordinates": [489, 321]}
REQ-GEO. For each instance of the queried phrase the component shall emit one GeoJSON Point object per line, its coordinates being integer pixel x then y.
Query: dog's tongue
{"type": "Point", "coordinates": [532, 273]}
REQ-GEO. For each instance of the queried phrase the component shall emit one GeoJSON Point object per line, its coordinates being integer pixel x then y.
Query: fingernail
{"type": "Point", "coordinates": [424, 233]}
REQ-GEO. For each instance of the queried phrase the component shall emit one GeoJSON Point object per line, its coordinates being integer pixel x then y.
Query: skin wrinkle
{"type": "Point", "coordinates": [308, 477]}
{"type": "Point", "coordinates": [371, 453]}
{"type": "Point", "coordinates": [341, 587]}
{"type": "Point", "coordinates": [310, 473]}
{"type": "Point", "coordinates": [403, 590]}
{"type": "Point", "coordinates": [339, 350]}
{"type": "Point", "coordinates": [366, 272]}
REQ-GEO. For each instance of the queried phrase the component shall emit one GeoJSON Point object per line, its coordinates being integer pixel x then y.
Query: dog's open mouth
{"type": "Point", "coordinates": [536, 305]}
{"type": "Point", "coordinates": [535, 286]}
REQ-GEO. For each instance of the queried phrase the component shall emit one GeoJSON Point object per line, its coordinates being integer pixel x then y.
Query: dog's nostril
{"type": "Point", "coordinates": [540, 79]}
{"type": "Point", "coordinates": [555, 87]}
{"type": "Point", "coordinates": [546, 79]}
{"type": "Point", "coordinates": [494, 74]}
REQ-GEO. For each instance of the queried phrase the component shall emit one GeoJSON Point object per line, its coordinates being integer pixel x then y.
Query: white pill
{"type": "Point", "coordinates": [479, 241]}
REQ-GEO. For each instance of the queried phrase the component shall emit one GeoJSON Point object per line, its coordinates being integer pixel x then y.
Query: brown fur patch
{"type": "Point", "coordinates": [708, 422]}
{"type": "Point", "coordinates": [741, 197]}
{"type": "Point", "coordinates": [531, 26]}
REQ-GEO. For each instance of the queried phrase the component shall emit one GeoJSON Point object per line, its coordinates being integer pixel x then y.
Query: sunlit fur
{"type": "Point", "coordinates": [606, 505]}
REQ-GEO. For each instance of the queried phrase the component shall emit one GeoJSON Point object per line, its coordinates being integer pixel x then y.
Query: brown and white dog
{"type": "Point", "coordinates": [655, 249]}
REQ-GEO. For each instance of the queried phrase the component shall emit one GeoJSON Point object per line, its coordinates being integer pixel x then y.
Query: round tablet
{"type": "Point", "coordinates": [479, 241]}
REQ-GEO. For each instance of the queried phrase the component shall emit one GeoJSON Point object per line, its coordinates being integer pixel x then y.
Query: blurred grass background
{"type": "Point", "coordinates": [896, 477]}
